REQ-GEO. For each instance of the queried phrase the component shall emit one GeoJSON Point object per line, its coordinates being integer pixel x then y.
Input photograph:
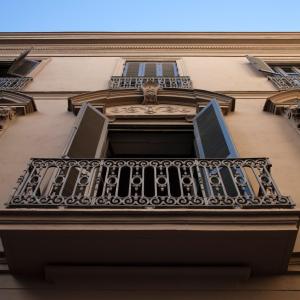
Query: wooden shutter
{"type": "Point", "coordinates": [211, 134]}
{"type": "Point", "coordinates": [169, 69]}
{"type": "Point", "coordinates": [89, 134]}
{"type": "Point", "coordinates": [132, 69]}
{"type": "Point", "coordinates": [260, 65]}
{"type": "Point", "coordinates": [22, 66]}
{"type": "Point", "coordinates": [150, 69]}
{"type": "Point", "coordinates": [213, 141]}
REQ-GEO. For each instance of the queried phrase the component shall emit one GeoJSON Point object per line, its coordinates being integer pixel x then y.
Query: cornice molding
{"type": "Point", "coordinates": [186, 36]}
{"type": "Point", "coordinates": [97, 43]}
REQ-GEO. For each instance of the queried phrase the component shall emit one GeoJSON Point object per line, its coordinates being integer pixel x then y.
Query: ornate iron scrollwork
{"type": "Point", "coordinates": [125, 82]}
{"type": "Point", "coordinates": [285, 82]}
{"type": "Point", "coordinates": [156, 183]}
{"type": "Point", "coordinates": [14, 83]}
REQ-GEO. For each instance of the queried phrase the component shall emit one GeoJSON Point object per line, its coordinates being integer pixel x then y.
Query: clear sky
{"type": "Point", "coordinates": [149, 15]}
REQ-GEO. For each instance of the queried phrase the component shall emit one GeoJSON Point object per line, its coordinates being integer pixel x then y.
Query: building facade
{"type": "Point", "coordinates": [141, 165]}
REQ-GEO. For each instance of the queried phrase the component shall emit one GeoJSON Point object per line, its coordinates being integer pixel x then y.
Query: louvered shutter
{"type": "Point", "coordinates": [89, 134]}
{"type": "Point", "coordinates": [212, 137]}
{"type": "Point", "coordinates": [150, 69]}
{"type": "Point", "coordinates": [169, 70]}
{"type": "Point", "coordinates": [260, 65]}
{"type": "Point", "coordinates": [213, 141]}
{"type": "Point", "coordinates": [132, 69]}
{"type": "Point", "coordinates": [22, 66]}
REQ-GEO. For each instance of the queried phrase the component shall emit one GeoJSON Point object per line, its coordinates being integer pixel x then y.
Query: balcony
{"type": "Point", "coordinates": [285, 82]}
{"type": "Point", "coordinates": [14, 83]}
{"type": "Point", "coordinates": [195, 214]}
{"type": "Point", "coordinates": [113, 183]}
{"type": "Point", "coordinates": [124, 82]}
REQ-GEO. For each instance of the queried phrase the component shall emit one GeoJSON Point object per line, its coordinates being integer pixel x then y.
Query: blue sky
{"type": "Point", "coordinates": [149, 15]}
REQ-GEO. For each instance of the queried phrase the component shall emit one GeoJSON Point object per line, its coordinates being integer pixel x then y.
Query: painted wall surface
{"type": "Point", "coordinates": [40, 134]}
{"type": "Point", "coordinates": [225, 74]}
{"type": "Point", "coordinates": [74, 74]}
{"type": "Point", "coordinates": [94, 73]}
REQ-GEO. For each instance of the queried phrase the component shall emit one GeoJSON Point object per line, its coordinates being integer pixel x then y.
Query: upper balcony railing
{"type": "Point", "coordinates": [148, 183]}
{"type": "Point", "coordinates": [14, 83]}
{"type": "Point", "coordinates": [125, 82]}
{"type": "Point", "coordinates": [286, 82]}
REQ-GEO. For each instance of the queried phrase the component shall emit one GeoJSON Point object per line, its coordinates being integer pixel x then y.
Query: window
{"type": "Point", "coordinates": [150, 69]}
{"type": "Point", "coordinates": [91, 134]}
{"type": "Point", "coordinates": [207, 137]}
{"type": "Point", "coordinates": [13, 74]}
{"type": "Point", "coordinates": [283, 76]}
{"type": "Point", "coordinates": [136, 73]}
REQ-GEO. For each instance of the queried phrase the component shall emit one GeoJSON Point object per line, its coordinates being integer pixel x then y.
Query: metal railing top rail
{"type": "Point", "coordinates": [144, 183]}
{"type": "Point", "coordinates": [126, 82]}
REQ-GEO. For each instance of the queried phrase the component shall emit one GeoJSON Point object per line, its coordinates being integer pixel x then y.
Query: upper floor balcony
{"type": "Point", "coordinates": [165, 74]}
{"type": "Point", "coordinates": [14, 83]}
{"type": "Point", "coordinates": [112, 201]}
{"type": "Point", "coordinates": [285, 82]}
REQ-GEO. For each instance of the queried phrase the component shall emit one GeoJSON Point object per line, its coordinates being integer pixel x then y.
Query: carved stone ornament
{"type": "Point", "coordinates": [150, 90]}
{"type": "Point", "coordinates": [293, 114]}
{"type": "Point", "coordinates": [159, 109]}
{"type": "Point", "coordinates": [6, 114]}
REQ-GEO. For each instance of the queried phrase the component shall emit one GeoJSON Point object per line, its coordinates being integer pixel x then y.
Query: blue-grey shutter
{"type": "Point", "coordinates": [132, 69]}
{"type": "Point", "coordinates": [150, 69]}
{"type": "Point", "coordinates": [211, 134]}
{"type": "Point", "coordinates": [214, 141]}
{"type": "Point", "coordinates": [169, 69]}
{"type": "Point", "coordinates": [89, 134]}
{"type": "Point", "coordinates": [22, 65]}
{"type": "Point", "coordinates": [260, 65]}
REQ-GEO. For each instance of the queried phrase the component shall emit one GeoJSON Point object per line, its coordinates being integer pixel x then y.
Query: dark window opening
{"type": "Point", "coordinates": [151, 143]}
{"type": "Point", "coordinates": [4, 67]}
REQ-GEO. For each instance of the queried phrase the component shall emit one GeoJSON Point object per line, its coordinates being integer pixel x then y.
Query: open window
{"type": "Point", "coordinates": [14, 74]}
{"type": "Point", "coordinates": [20, 67]}
{"type": "Point", "coordinates": [284, 76]}
{"type": "Point", "coordinates": [208, 137]}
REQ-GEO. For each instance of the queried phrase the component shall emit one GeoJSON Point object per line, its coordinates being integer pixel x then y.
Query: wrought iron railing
{"type": "Point", "coordinates": [144, 183]}
{"type": "Point", "coordinates": [14, 83]}
{"type": "Point", "coordinates": [285, 82]}
{"type": "Point", "coordinates": [125, 82]}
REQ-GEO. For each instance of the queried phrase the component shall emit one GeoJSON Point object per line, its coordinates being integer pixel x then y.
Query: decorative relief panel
{"type": "Point", "coordinates": [150, 110]}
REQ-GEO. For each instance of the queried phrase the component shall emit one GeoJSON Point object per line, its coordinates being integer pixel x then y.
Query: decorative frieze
{"type": "Point", "coordinates": [166, 110]}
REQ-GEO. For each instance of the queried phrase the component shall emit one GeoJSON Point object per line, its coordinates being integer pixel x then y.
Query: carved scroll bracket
{"type": "Point", "coordinates": [150, 90]}
{"type": "Point", "coordinates": [6, 115]}
{"type": "Point", "coordinates": [292, 113]}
